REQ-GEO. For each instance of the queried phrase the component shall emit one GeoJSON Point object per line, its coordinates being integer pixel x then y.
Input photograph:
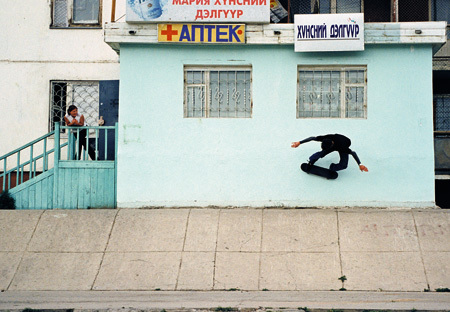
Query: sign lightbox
{"type": "Point", "coordinates": [201, 33]}
{"type": "Point", "coordinates": [329, 32]}
{"type": "Point", "coordinates": [201, 11]}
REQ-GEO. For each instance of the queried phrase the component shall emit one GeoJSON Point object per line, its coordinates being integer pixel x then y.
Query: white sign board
{"type": "Point", "coordinates": [168, 11]}
{"type": "Point", "coordinates": [329, 32]}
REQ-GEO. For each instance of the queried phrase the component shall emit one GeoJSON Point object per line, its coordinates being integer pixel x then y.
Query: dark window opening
{"type": "Point", "coordinates": [377, 11]}
{"type": "Point", "coordinates": [442, 198]}
{"type": "Point", "coordinates": [413, 11]}
{"type": "Point", "coordinates": [59, 96]}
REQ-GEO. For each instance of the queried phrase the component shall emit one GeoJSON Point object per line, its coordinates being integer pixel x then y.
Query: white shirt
{"type": "Point", "coordinates": [70, 118]}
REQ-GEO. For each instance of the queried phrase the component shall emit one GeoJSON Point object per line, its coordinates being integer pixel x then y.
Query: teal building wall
{"type": "Point", "coordinates": [165, 159]}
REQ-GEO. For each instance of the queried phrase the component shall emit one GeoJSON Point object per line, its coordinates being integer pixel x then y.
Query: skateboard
{"type": "Point", "coordinates": [319, 171]}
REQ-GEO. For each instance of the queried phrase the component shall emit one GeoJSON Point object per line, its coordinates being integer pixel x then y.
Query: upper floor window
{"type": "Point", "coordinates": [325, 6]}
{"type": "Point", "coordinates": [374, 11]}
{"type": "Point", "coordinates": [440, 11]}
{"type": "Point", "coordinates": [339, 6]}
{"type": "Point", "coordinates": [217, 92]}
{"type": "Point", "coordinates": [442, 113]}
{"type": "Point", "coordinates": [332, 92]}
{"type": "Point", "coordinates": [379, 11]}
{"type": "Point", "coordinates": [76, 13]}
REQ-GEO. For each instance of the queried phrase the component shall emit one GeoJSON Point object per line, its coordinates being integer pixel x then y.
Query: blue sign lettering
{"type": "Point", "coordinates": [185, 34]}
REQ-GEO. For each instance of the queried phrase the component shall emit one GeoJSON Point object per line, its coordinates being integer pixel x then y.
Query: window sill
{"type": "Point", "coordinates": [76, 27]}
{"type": "Point", "coordinates": [332, 118]}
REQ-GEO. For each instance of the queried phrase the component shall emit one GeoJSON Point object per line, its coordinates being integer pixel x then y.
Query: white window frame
{"type": "Point", "coordinates": [208, 92]}
{"type": "Point", "coordinates": [70, 23]}
{"type": "Point", "coordinates": [343, 86]}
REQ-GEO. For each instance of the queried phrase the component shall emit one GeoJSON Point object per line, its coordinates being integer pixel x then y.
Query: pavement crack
{"type": "Point", "coordinates": [25, 251]}
{"type": "Point", "coordinates": [104, 251]}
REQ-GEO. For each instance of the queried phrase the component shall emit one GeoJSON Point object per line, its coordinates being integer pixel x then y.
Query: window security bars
{"type": "Point", "coordinates": [339, 6]}
{"type": "Point", "coordinates": [419, 10]}
{"type": "Point", "coordinates": [60, 13]}
{"type": "Point", "coordinates": [440, 11]}
{"type": "Point", "coordinates": [217, 92]}
{"type": "Point", "coordinates": [348, 6]}
{"type": "Point", "coordinates": [331, 93]}
{"type": "Point", "coordinates": [83, 94]}
{"type": "Point", "coordinates": [326, 6]}
{"type": "Point", "coordinates": [76, 13]}
{"type": "Point", "coordinates": [384, 11]}
{"type": "Point", "coordinates": [442, 113]}
{"type": "Point", "coordinates": [371, 13]}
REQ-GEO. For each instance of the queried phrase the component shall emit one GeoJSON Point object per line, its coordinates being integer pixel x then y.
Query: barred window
{"type": "Point", "coordinates": [440, 11]}
{"type": "Point", "coordinates": [83, 94]}
{"type": "Point", "coordinates": [419, 10]}
{"type": "Point", "coordinates": [326, 6]}
{"type": "Point", "coordinates": [375, 11]}
{"type": "Point", "coordinates": [413, 10]}
{"type": "Point", "coordinates": [331, 92]}
{"type": "Point", "coordinates": [442, 112]}
{"type": "Point", "coordinates": [217, 92]}
{"type": "Point", "coordinates": [339, 6]}
{"type": "Point", "coordinates": [76, 13]}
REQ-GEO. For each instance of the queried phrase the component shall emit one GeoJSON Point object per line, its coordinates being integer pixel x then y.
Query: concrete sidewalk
{"type": "Point", "coordinates": [225, 249]}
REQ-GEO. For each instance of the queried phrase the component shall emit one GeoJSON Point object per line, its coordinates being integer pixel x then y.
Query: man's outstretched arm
{"type": "Point", "coordinates": [297, 144]}
{"type": "Point", "coordinates": [355, 156]}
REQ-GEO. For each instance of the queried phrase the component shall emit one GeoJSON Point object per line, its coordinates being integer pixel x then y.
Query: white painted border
{"type": "Point", "coordinates": [374, 33]}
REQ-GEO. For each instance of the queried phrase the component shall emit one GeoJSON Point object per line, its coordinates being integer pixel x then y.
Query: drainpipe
{"type": "Point", "coordinates": [289, 11]}
{"type": "Point", "coordinates": [394, 11]}
{"type": "Point", "coordinates": [113, 11]}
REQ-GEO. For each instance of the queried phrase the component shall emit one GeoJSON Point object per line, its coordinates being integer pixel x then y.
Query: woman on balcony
{"type": "Point", "coordinates": [74, 119]}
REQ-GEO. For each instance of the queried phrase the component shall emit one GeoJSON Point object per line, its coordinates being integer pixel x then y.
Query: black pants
{"type": "Point", "coordinates": [82, 142]}
{"type": "Point", "coordinates": [343, 162]}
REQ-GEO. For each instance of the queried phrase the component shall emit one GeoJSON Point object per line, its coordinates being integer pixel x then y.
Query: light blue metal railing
{"type": "Point", "coordinates": [26, 168]}
{"type": "Point", "coordinates": [88, 144]}
{"type": "Point", "coordinates": [31, 160]}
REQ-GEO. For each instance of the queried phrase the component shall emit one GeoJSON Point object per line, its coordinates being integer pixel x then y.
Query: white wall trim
{"type": "Point", "coordinates": [374, 33]}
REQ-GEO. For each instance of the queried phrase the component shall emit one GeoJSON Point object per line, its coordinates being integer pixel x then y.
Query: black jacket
{"type": "Point", "coordinates": [341, 144]}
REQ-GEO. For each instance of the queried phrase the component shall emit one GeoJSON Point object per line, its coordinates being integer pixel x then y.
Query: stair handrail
{"type": "Point", "coordinates": [19, 168]}
{"type": "Point", "coordinates": [72, 145]}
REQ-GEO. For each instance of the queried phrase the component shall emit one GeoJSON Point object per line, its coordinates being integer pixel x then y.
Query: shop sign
{"type": "Point", "coordinates": [329, 32]}
{"type": "Point", "coordinates": [201, 33]}
{"type": "Point", "coordinates": [201, 11]}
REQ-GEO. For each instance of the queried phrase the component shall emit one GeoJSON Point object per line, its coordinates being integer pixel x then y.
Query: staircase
{"type": "Point", "coordinates": [47, 173]}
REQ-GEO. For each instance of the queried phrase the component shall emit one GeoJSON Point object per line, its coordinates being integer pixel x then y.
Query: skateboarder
{"type": "Point", "coordinates": [333, 143]}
